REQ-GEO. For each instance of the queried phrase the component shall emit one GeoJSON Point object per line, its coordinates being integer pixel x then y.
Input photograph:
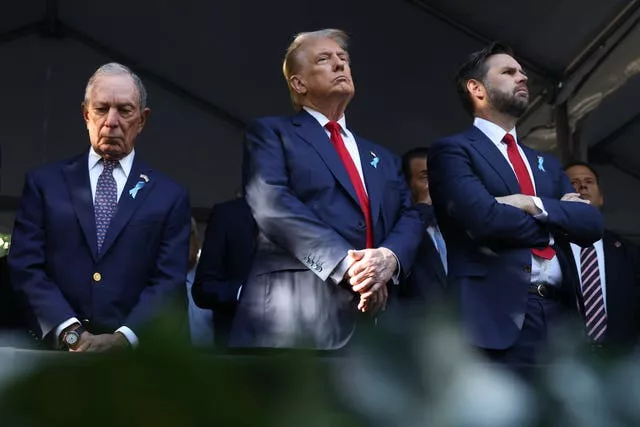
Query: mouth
{"type": "Point", "coordinates": [341, 79]}
{"type": "Point", "coordinates": [522, 91]}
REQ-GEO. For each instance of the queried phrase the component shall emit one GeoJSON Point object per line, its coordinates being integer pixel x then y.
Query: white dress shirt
{"type": "Point", "coordinates": [352, 147]}
{"type": "Point", "coordinates": [120, 174]}
{"type": "Point", "coordinates": [542, 270]}
{"type": "Point", "coordinates": [601, 267]}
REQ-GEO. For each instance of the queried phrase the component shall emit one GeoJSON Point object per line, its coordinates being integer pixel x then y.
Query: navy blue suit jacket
{"type": "Point", "coordinates": [308, 215]}
{"type": "Point", "coordinates": [488, 243]}
{"type": "Point", "coordinates": [622, 270]}
{"type": "Point", "coordinates": [54, 260]}
{"type": "Point", "coordinates": [227, 254]}
{"type": "Point", "coordinates": [427, 283]}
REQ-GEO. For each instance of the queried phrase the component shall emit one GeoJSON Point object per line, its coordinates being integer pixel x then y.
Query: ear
{"type": "Point", "coordinates": [298, 85]}
{"type": "Point", "coordinates": [144, 116]}
{"type": "Point", "coordinates": [476, 89]}
{"type": "Point", "coordinates": [85, 113]}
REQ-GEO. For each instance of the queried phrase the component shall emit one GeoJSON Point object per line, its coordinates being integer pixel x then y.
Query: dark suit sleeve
{"type": "Point", "coordinates": [455, 187]}
{"type": "Point", "coordinates": [27, 261]}
{"type": "Point", "coordinates": [213, 287]}
{"type": "Point", "coordinates": [169, 273]}
{"type": "Point", "coordinates": [579, 223]}
{"type": "Point", "coordinates": [279, 213]}
{"type": "Point", "coordinates": [404, 237]}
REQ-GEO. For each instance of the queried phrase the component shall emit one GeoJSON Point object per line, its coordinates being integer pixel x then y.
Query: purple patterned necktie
{"type": "Point", "coordinates": [595, 314]}
{"type": "Point", "coordinates": [106, 200]}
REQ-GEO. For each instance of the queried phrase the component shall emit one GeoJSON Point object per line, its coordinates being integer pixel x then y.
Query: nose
{"type": "Point", "coordinates": [522, 78]}
{"type": "Point", "coordinates": [112, 118]}
{"type": "Point", "coordinates": [339, 63]}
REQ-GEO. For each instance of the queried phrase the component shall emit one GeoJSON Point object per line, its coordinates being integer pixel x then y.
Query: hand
{"type": "Point", "coordinates": [520, 201]}
{"type": "Point", "coordinates": [101, 343]}
{"type": "Point", "coordinates": [371, 269]}
{"type": "Point", "coordinates": [574, 197]}
{"type": "Point", "coordinates": [374, 301]}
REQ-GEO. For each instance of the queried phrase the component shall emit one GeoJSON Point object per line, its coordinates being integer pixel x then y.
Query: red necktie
{"type": "Point", "coordinates": [526, 186]}
{"type": "Point", "coordinates": [338, 143]}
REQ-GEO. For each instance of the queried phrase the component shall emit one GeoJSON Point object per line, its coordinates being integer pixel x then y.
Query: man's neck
{"type": "Point", "coordinates": [331, 109]}
{"type": "Point", "coordinates": [505, 121]}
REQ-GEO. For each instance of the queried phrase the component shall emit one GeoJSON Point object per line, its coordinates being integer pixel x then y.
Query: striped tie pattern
{"type": "Point", "coordinates": [595, 314]}
{"type": "Point", "coordinates": [106, 200]}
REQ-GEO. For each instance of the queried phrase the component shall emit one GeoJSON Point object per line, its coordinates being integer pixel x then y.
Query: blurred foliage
{"type": "Point", "coordinates": [5, 244]}
{"type": "Point", "coordinates": [414, 375]}
{"type": "Point", "coordinates": [166, 383]}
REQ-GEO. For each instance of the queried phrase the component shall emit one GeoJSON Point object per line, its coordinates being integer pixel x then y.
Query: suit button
{"type": "Point", "coordinates": [527, 268]}
{"type": "Point", "coordinates": [97, 277]}
{"type": "Point", "coordinates": [361, 224]}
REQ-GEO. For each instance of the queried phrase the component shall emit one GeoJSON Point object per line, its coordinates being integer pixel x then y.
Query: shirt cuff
{"type": "Point", "coordinates": [396, 274]}
{"type": "Point", "coordinates": [239, 292]}
{"type": "Point", "coordinates": [338, 273]}
{"type": "Point", "coordinates": [543, 215]}
{"type": "Point", "coordinates": [64, 325]}
{"type": "Point", "coordinates": [129, 335]}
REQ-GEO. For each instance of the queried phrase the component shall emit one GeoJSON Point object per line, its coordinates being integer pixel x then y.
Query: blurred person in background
{"type": "Point", "coordinates": [607, 273]}
{"type": "Point", "coordinates": [227, 254]}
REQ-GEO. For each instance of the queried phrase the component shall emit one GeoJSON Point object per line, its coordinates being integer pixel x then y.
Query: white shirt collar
{"type": "Point", "coordinates": [494, 132]}
{"type": "Point", "coordinates": [323, 120]}
{"type": "Point", "coordinates": [126, 163]}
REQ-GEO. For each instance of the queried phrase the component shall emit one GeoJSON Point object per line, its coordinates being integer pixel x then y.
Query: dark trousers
{"type": "Point", "coordinates": [542, 317]}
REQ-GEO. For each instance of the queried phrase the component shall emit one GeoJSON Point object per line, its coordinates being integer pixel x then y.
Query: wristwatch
{"type": "Point", "coordinates": [72, 338]}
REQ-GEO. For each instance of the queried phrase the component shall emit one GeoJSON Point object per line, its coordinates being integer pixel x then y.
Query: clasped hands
{"type": "Point", "coordinates": [368, 274]}
{"type": "Point", "coordinates": [100, 343]}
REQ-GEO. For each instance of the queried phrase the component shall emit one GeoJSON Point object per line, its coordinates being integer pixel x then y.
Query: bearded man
{"type": "Point", "coordinates": [502, 207]}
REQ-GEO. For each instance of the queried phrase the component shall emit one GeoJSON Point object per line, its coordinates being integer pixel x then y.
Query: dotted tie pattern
{"type": "Point", "coordinates": [106, 200]}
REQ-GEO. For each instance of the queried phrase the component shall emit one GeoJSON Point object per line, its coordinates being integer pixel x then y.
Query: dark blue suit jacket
{"type": "Point", "coordinates": [308, 215]}
{"type": "Point", "coordinates": [622, 270]}
{"type": "Point", "coordinates": [227, 254]}
{"type": "Point", "coordinates": [54, 260]}
{"type": "Point", "coordinates": [488, 243]}
{"type": "Point", "coordinates": [427, 283]}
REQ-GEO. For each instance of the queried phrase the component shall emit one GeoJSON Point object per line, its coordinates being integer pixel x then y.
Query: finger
{"type": "Point", "coordinates": [356, 255]}
{"type": "Point", "coordinates": [361, 276]}
{"type": "Point", "coordinates": [372, 290]}
{"type": "Point", "coordinates": [364, 286]}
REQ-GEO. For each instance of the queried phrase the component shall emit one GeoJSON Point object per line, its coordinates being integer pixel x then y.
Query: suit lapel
{"type": "Point", "coordinates": [612, 267]}
{"type": "Point", "coordinates": [310, 131]}
{"type": "Point", "coordinates": [494, 157]}
{"type": "Point", "coordinates": [76, 175]}
{"type": "Point", "coordinates": [372, 176]}
{"type": "Point", "coordinates": [127, 205]}
{"type": "Point", "coordinates": [543, 186]}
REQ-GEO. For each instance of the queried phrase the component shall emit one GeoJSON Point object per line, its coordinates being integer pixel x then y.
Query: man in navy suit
{"type": "Point", "coordinates": [101, 241]}
{"type": "Point", "coordinates": [334, 214]}
{"type": "Point", "coordinates": [499, 205]}
{"type": "Point", "coordinates": [616, 268]}
{"type": "Point", "coordinates": [227, 254]}
{"type": "Point", "coordinates": [426, 286]}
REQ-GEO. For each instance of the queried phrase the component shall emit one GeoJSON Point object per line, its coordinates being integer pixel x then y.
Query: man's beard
{"type": "Point", "coordinates": [506, 103]}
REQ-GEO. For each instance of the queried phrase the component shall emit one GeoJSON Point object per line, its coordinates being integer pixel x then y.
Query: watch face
{"type": "Point", "coordinates": [71, 338]}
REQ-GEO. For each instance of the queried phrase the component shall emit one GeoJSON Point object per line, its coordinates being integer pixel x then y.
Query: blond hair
{"type": "Point", "coordinates": [291, 63]}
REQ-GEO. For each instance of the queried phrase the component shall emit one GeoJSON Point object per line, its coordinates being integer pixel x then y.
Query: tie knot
{"type": "Point", "coordinates": [509, 140]}
{"type": "Point", "coordinates": [109, 165]}
{"type": "Point", "coordinates": [333, 127]}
